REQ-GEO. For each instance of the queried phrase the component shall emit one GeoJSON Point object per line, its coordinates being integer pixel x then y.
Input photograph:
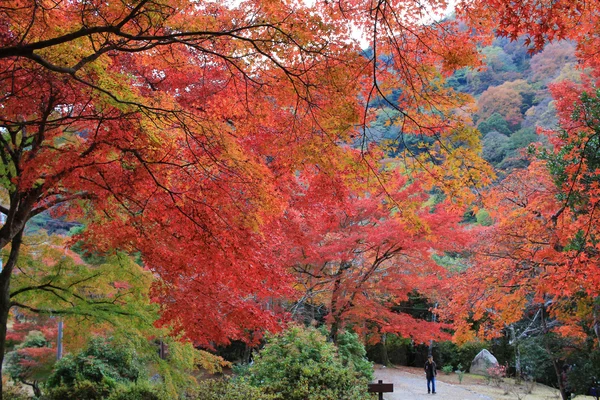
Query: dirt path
{"type": "Point", "coordinates": [408, 386]}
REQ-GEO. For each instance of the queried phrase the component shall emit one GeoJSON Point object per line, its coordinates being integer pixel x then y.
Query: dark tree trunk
{"type": "Point", "coordinates": [247, 355]}
{"type": "Point", "coordinates": [561, 385]}
{"type": "Point", "coordinates": [597, 319]}
{"type": "Point", "coordinates": [384, 353]}
{"type": "Point", "coordinates": [37, 392]}
{"type": "Point", "coordinates": [515, 343]}
{"type": "Point", "coordinates": [335, 312]}
{"type": "Point", "coordinates": [335, 327]}
{"type": "Point", "coordinates": [5, 302]}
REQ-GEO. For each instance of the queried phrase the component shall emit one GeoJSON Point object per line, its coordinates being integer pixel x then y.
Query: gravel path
{"type": "Point", "coordinates": [409, 386]}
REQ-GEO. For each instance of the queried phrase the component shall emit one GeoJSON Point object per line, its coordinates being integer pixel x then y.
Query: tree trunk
{"type": "Point", "coordinates": [518, 372]}
{"type": "Point", "coordinates": [335, 317]}
{"type": "Point", "coordinates": [247, 354]}
{"type": "Point", "coordinates": [384, 353]}
{"type": "Point", "coordinates": [515, 342]}
{"type": "Point", "coordinates": [561, 385]}
{"type": "Point", "coordinates": [596, 319]}
{"type": "Point", "coordinates": [5, 303]}
{"type": "Point", "coordinates": [37, 392]}
{"type": "Point", "coordinates": [333, 336]}
{"type": "Point", "coordinates": [433, 319]}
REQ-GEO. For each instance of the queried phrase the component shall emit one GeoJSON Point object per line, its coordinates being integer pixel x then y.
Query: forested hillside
{"type": "Point", "coordinates": [511, 95]}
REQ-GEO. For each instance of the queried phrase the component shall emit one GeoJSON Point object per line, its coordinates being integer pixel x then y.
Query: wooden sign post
{"type": "Point", "coordinates": [381, 388]}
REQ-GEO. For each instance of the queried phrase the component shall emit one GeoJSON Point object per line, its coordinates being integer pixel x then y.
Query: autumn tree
{"type": "Point", "coordinates": [547, 65]}
{"type": "Point", "coordinates": [539, 22]}
{"type": "Point", "coordinates": [107, 297]}
{"type": "Point", "coordinates": [31, 362]}
{"type": "Point", "coordinates": [102, 103]}
{"type": "Point", "coordinates": [510, 100]}
{"type": "Point", "coordinates": [538, 253]}
{"type": "Point", "coordinates": [499, 67]}
{"type": "Point", "coordinates": [541, 252]}
{"type": "Point", "coordinates": [358, 253]}
{"type": "Point", "coordinates": [172, 129]}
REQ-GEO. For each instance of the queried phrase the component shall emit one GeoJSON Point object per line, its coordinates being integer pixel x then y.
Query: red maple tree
{"type": "Point", "coordinates": [173, 128]}
{"type": "Point", "coordinates": [358, 250]}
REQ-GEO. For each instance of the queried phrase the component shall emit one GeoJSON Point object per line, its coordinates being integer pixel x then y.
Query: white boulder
{"type": "Point", "coordinates": [482, 362]}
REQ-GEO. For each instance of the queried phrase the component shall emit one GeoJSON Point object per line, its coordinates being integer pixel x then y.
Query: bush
{"type": "Point", "coordinates": [101, 360]}
{"type": "Point", "coordinates": [496, 374]}
{"type": "Point", "coordinates": [300, 364]}
{"type": "Point", "coordinates": [81, 390]}
{"type": "Point", "coordinates": [11, 392]}
{"type": "Point", "coordinates": [137, 391]}
{"type": "Point", "coordinates": [447, 369]}
{"type": "Point", "coordinates": [229, 389]}
{"type": "Point", "coordinates": [461, 373]}
{"type": "Point", "coordinates": [106, 389]}
{"type": "Point", "coordinates": [535, 361]}
{"type": "Point", "coordinates": [31, 361]}
{"type": "Point", "coordinates": [95, 372]}
{"type": "Point", "coordinates": [584, 374]}
{"type": "Point", "coordinates": [483, 218]}
{"type": "Point", "coordinates": [352, 353]}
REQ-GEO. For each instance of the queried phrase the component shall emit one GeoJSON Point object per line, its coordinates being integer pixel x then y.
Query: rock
{"type": "Point", "coordinates": [482, 362]}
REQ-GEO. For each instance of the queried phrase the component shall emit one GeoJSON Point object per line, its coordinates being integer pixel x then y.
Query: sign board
{"type": "Point", "coordinates": [381, 388]}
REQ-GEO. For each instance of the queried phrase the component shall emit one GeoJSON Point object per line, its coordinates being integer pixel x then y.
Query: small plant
{"type": "Point", "coordinates": [496, 374]}
{"type": "Point", "coordinates": [447, 369]}
{"type": "Point", "coordinates": [460, 372]}
{"type": "Point", "coordinates": [519, 391]}
{"type": "Point", "coordinates": [529, 385]}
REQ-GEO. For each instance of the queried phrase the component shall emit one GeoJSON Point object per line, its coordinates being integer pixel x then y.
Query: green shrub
{"type": "Point", "coordinates": [300, 364]}
{"type": "Point", "coordinates": [447, 369]}
{"type": "Point", "coordinates": [81, 390]}
{"type": "Point", "coordinates": [461, 373]}
{"type": "Point", "coordinates": [352, 352]}
{"type": "Point", "coordinates": [137, 391]}
{"type": "Point", "coordinates": [584, 373]}
{"type": "Point", "coordinates": [535, 361]}
{"type": "Point", "coordinates": [229, 389]}
{"type": "Point", "coordinates": [95, 372]}
{"type": "Point", "coordinates": [494, 123]}
{"type": "Point", "coordinates": [483, 218]}
{"type": "Point", "coordinates": [101, 360]}
{"type": "Point", "coordinates": [11, 392]}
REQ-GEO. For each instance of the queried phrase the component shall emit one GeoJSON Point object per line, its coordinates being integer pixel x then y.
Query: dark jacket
{"type": "Point", "coordinates": [430, 369]}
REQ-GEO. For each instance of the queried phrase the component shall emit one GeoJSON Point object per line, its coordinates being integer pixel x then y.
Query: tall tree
{"type": "Point", "coordinates": [52, 280]}
{"type": "Point", "coordinates": [510, 100]}
{"type": "Point", "coordinates": [173, 128]}
{"type": "Point", "coordinates": [358, 252]}
{"type": "Point", "coordinates": [541, 252]}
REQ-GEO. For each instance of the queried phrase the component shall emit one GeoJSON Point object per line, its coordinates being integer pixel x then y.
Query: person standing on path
{"type": "Point", "coordinates": [430, 372]}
